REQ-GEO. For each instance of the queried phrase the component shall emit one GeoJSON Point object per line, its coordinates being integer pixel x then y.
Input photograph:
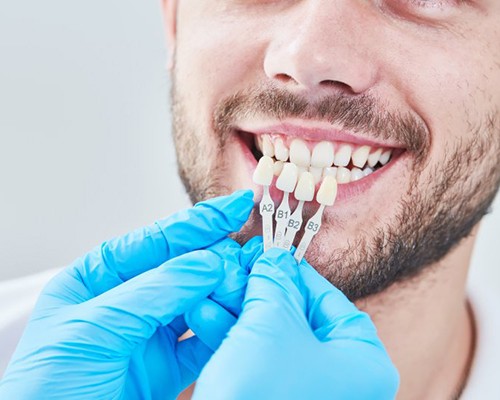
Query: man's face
{"type": "Point", "coordinates": [420, 78]}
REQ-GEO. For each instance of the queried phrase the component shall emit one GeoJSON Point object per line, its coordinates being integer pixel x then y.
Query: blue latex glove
{"type": "Point", "coordinates": [297, 337]}
{"type": "Point", "coordinates": [107, 327]}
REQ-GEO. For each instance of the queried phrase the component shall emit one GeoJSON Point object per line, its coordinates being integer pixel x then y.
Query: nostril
{"type": "Point", "coordinates": [336, 84]}
{"type": "Point", "coordinates": [285, 78]}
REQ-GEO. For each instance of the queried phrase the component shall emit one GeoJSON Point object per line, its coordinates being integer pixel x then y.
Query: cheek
{"type": "Point", "coordinates": [217, 56]}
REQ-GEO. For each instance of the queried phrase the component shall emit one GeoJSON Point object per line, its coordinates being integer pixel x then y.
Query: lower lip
{"type": "Point", "coordinates": [345, 192]}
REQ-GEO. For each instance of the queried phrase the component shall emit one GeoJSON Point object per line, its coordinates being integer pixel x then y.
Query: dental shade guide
{"type": "Point", "coordinates": [303, 192]}
{"type": "Point", "coordinates": [326, 196]}
{"type": "Point", "coordinates": [286, 182]}
{"type": "Point", "coordinates": [263, 175]}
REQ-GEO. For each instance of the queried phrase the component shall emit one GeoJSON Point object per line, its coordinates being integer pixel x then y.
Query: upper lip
{"type": "Point", "coordinates": [313, 131]}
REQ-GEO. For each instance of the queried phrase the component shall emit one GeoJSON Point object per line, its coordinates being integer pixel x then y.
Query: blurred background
{"type": "Point", "coordinates": [85, 146]}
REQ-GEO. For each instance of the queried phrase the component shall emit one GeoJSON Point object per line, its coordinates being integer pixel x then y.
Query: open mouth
{"type": "Point", "coordinates": [347, 162]}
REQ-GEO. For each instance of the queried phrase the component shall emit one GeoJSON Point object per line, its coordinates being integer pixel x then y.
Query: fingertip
{"type": "Point", "coordinates": [278, 262]}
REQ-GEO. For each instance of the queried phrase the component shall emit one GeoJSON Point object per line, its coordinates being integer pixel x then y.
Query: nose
{"type": "Point", "coordinates": [323, 43]}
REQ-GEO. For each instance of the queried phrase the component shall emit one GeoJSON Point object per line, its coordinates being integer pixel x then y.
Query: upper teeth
{"type": "Point", "coordinates": [345, 161]}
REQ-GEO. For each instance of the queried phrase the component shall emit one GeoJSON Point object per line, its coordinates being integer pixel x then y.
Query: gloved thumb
{"type": "Point", "coordinates": [330, 313]}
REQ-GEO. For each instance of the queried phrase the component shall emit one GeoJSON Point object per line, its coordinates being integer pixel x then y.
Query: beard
{"type": "Point", "coordinates": [438, 209]}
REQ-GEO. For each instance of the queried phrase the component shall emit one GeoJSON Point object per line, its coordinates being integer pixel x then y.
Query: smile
{"type": "Point", "coordinates": [345, 162]}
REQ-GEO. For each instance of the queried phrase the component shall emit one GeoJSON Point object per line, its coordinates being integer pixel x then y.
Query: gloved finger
{"type": "Point", "coordinates": [192, 355]}
{"type": "Point", "coordinates": [123, 258]}
{"type": "Point", "coordinates": [231, 291]}
{"type": "Point", "coordinates": [210, 322]}
{"type": "Point", "coordinates": [131, 312]}
{"type": "Point", "coordinates": [330, 313]}
{"type": "Point", "coordinates": [273, 300]}
{"type": "Point", "coordinates": [251, 251]}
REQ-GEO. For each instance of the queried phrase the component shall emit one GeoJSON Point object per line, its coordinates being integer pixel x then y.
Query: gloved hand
{"type": "Point", "coordinates": [107, 327]}
{"type": "Point", "coordinates": [297, 337]}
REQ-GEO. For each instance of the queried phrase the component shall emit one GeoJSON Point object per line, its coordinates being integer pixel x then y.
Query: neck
{"type": "Point", "coordinates": [427, 327]}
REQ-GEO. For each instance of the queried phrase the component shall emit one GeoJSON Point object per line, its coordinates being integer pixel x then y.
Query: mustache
{"type": "Point", "coordinates": [356, 113]}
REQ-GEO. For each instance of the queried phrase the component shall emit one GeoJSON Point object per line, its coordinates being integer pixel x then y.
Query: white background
{"type": "Point", "coordinates": [85, 147]}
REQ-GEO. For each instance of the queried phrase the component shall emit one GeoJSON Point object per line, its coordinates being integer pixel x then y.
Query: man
{"type": "Point", "coordinates": [417, 81]}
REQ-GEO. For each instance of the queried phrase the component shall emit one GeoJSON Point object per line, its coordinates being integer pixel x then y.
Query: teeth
{"type": "Point", "coordinates": [385, 157]}
{"type": "Point", "coordinates": [288, 178]}
{"type": "Point", "coordinates": [317, 173]}
{"type": "Point", "coordinates": [356, 174]}
{"type": "Point", "coordinates": [280, 150]}
{"type": "Point", "coordinates": [343, 156]}
{"type": "Point", "coordinates": [267, 146]}
{"type": "Point", "coordinates": [263, 174]}
{"type": "Point", "coordinates": [305, 187]}
{"type": "Point", "coordinates": [322, 155]}
{"type": "Point", "coordinates": [327, 192]}
{"type": "Point", "coordinates": [360, 156]}
{"type": "Point", "coordinates": [330, 171]}
{"type": "Point", "coordinates": [277, 168]}
{"type": "Point", "coordinates": [374, 158]}
{"type": "Point", "coordinates": [299, 153]}
{"type": "Point", "coordinates": [343, 161]}
{"type": "Point", "coordinates": [343, 175]}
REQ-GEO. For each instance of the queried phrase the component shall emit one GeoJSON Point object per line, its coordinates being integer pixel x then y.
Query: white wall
{"type": "Point", "coordinates": [85, 149]}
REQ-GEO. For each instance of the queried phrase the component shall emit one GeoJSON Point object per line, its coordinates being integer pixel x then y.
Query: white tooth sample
{"type": "Point", "coordinates": [288, 178]}
{"type": "Point", "coordinates": [343, 156]}
{"type": "Point", "coordinates": [374, 157]}
{"type": "Point", "coordinates": [326, 196]}
{"type": "Point", "coordinates": [317, 173]}
{"type": "Point", "coordinates": [303, 192]}
{"type": "Point", "coordinates": [360, 156]}
{"type": "Point", "coordinates": [322, 155]}
{"type": "Point", "coordinates": [343, 175]}
{"type": "Point", "coordinates": [299, 153]}
{"type": "Point", "coordinates": [280, 150]}
{"type": "Point", "coordinates": [356, 174]}
{"type": "Point", "coordinates": [330, 171]}
{"type": "Point", "coordinates": [385, 157]}
{"type": "Point", "coordinates": [367, 171]}
{"type": "Point", "coordinates": [286, 182]}
{"type": "Point", "coordinates": [305, 187]}
{"type": "Point", "coordinates": [267, 146]}
{"type": "Point", "coordinates": [327, 192]}
{"type": "Point", "coordinates": [263, 174]}
{"type": "Point", "coordinates": [278, 167]}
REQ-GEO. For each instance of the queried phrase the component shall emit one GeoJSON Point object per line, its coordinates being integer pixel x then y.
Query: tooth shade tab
{"type": "Point", "coordinates": [300, 154]}
{"type": "Point", "coordinates": [327, 192]}
{"type": "Point", "coordinates": [264, 173]}
{"type": "Point", "coordinates": [280, 150]}
{"type": "Point", "coordinates": [305, 187]}
{"type": "Point", "coordinates": [287, 180]}
{"type": "Point", "coordinates": [322, 155]}
{"type": "Point", "coordinates": [360, 156]}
